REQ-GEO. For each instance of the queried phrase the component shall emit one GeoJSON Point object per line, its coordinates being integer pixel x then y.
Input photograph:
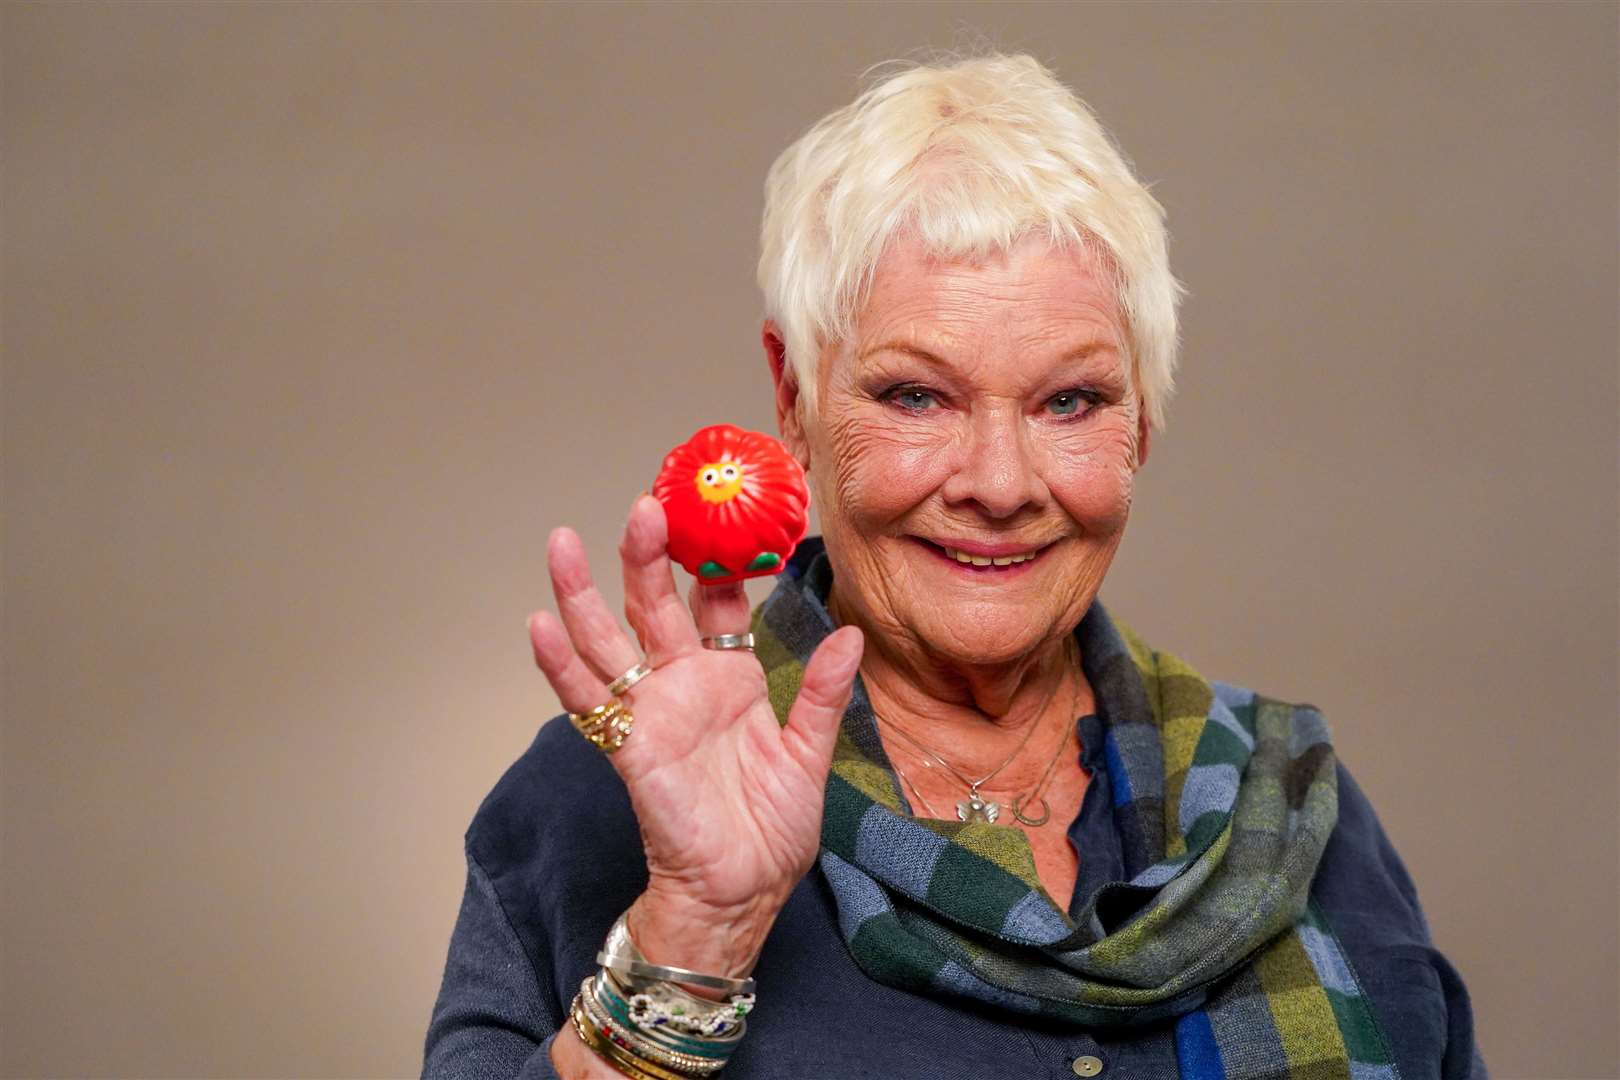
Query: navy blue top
{"type": "Point", "coordinates": [554, 856]}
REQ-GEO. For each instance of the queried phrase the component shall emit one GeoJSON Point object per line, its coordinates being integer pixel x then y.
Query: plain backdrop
{"type": "Point", "coordinates": [318, 317]}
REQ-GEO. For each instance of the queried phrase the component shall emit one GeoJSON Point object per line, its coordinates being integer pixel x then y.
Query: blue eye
{"type": "Point", "coordinates": [1068, 402]}
{"type": "Point", "coordinates": [912, 399]}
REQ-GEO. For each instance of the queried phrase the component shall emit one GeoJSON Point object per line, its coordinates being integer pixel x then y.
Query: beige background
{"type": "Point", "coordinates": [317, 318]}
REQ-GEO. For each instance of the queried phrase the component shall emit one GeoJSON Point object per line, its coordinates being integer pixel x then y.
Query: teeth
{"type": "Point", "coordinates": [982, 560]}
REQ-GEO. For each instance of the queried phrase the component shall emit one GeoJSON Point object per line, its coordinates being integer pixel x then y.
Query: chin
{"type": "Point", "coordinates": [976, 636]}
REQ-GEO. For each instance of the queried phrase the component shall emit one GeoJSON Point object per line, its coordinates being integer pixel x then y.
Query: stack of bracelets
{"type": "Point", "coordinates": [633, 1015]}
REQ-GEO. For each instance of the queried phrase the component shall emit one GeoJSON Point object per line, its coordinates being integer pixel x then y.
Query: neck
{"type": "Point", "coordinates": [970, 713]}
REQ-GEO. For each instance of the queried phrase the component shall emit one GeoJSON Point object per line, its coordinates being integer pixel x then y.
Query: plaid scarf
{"type": "Point", "coordinates": [1224, 800]}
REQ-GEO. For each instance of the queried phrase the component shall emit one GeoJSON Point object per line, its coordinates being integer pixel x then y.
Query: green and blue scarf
{"type": "Point", "coordinates": [1224, 800]}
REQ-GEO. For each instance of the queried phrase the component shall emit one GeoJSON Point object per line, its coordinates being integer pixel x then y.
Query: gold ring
{"type": "Point", "coordinates": [624, 682]}
{"type": "Point", "coordinates": [607, 726]}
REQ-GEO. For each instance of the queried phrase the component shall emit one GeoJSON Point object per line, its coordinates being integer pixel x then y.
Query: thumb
{"type": "Point", "coordinates": [829, 678]}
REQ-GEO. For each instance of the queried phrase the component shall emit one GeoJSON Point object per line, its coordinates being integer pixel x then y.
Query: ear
{"type": "Point", "coordinates": [1144, 438]}
{"type": "Point", "coordinates": [789, 420]}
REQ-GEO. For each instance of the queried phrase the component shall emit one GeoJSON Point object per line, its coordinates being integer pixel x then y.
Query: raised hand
{"type": "Point", "coordinates": [729, 802]}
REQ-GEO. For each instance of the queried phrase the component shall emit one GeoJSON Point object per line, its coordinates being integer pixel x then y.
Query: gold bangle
{"type": "Point", "coordinates": [620, 1059]}
{"type": "Point", "coordinates": [640, 1045]}
{"type": "Point", "coordinates": [598, 1045]}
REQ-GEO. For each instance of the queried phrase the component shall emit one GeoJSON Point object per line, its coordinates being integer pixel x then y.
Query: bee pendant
{"type": "Point", "coordinates": [975, 809]}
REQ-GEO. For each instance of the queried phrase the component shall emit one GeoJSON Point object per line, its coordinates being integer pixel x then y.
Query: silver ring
{"type": "Point", "coordinates": [628, 679]}
{"type": "Point", "coordinates": [730, 641]}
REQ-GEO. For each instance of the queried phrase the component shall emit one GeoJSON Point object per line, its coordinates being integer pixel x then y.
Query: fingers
{"type": "Point", "coordinates": [719, 609]}
{"type": "Point", "coordinates": [593, 631]}
{"type": "Point", "coordinates": [812, 727]}
{"type": "Point", "coordinates": [650, 601]}
{"type": "Point", "coordinates": [576, 685]}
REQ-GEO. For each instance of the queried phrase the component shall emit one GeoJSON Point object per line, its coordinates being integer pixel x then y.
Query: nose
{"type": "Point", "coordinates": [997, 469]}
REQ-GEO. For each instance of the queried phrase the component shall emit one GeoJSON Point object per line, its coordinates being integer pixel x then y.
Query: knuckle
{"type": "Point", "coordinates": [817, 696]}
{"type": "Point", "coordinates": [583, 602]}
{"type": "Point", "coordinates": [668, 606]}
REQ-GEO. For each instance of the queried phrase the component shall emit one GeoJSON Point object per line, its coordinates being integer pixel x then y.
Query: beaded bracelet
{"type": "Point", "coordinates": [648, 1011]}
{"type": "Point", "coordinates": [712, 1053]}
{"type": "Point", "coordinates": [635, 1016]}
{"type": "Point", "coordinates": [616, 1001]}
{"type": "Point", "coordinates": [661, 1004]}
{"type": "Point", "coordinates": [632, 1041]}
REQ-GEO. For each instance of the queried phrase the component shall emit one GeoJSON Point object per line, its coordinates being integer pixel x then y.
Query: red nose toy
{"type": "Point", "coordinates": [736, 502]}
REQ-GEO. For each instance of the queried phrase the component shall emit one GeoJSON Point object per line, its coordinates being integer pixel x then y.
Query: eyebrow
{"type": "Point", "coordinates": [1079, 352]}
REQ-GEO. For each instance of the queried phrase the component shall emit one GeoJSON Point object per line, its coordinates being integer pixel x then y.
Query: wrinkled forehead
{"type": "Point", "coordinates": [1035, 299]}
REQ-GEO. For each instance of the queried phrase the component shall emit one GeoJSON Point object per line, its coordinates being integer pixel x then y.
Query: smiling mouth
{"type": "Point", "coordinates": [982, 563]}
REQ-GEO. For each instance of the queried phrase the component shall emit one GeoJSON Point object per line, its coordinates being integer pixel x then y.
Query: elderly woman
{"type": "Point", "coordinates": [955, 818]}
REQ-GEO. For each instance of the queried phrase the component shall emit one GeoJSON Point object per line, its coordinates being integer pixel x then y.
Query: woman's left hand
{"type": "Point", "coordinates": [728, 799]}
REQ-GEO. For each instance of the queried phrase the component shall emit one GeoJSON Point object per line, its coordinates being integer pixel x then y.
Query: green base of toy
{"type": "Point", "coordinates": [766, 562]}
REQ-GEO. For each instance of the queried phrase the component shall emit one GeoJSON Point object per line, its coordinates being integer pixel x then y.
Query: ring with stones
{"type": "Point", "coordinates": [607, 726]}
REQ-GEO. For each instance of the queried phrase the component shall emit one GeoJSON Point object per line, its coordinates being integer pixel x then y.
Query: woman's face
{"type": "Point", "coordinates": [974, 450]}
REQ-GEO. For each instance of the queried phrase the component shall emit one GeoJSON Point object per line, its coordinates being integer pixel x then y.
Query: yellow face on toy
{"type": "Point", "coordinates": [719, 481]}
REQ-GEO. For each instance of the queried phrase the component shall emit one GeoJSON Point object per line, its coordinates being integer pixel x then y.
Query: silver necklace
{"type": "Point", "coordinates": [975, 807]}
{"type": "Point", "coordinates": [992, 810]}
{"type": "Point", "coordinates": [931, 812]}
{"type": "Point", "coordinates": [1022, 801]}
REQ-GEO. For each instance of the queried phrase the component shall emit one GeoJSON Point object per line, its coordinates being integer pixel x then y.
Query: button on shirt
{"type": "Point", "coordinates": [543, 886]}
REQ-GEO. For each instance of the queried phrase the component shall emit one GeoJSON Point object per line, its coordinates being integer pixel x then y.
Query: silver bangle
{"type": "Point", "coordinates": [619, 953]}
{"type": "Point", "coordinates": [640, 969]}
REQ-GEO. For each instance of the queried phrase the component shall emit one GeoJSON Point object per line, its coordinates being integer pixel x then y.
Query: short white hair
{"type": "Point", "coordinates": [969, 156]}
